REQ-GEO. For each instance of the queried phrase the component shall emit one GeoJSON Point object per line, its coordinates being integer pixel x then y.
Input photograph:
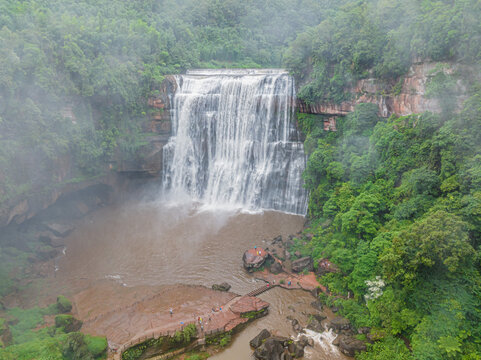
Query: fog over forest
{"type": "Point", "coordinates": [388, 96]}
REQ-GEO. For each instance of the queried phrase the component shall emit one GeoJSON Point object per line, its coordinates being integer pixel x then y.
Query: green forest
{"type": "Point", "coordinates": [395, 203]}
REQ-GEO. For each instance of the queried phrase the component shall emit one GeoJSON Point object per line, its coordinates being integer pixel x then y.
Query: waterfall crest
{"type": "Point", "coordinates": [234, 143]}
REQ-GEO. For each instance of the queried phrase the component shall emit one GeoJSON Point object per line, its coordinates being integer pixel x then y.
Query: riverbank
{"type": "Point", "coordinates": [124, 264]}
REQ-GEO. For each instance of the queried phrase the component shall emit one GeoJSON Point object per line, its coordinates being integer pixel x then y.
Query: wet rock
{"type": "Point", "coordinates": [276, 268]}
{"type": "Point", "coordinates": [296, 350]}
{"type": "Point", "coordinates": [310, 342]}
{"type": "Point", "coordinates": [303, 341]}
{"type": "Point", "coordinates": [350, 345]}
{"type": "Point", "coordinates": [258, 340]}
{"type": "Point", "coordinates": [221, 287]}
{"type": "Point", "coordinates": [340, 323]}
{"type": "Point", "coordinates": [302, 263]}
{"type": "Point", "coordinates": [296, 326]}
{"type": "Point", "coordinates": [270, 350]}
{"type": "Point", "coordinates": [317, 305]}
{"type": "Point", "coordinates": [277, 240]}
{"type": "Point", "coordinates": [286, 356]}
{"type": "Point", "coordinates": [252, 260]}
{"type": "Point", "coordinates": [60, 229]}
{"type": "Point", "coordinates": [319, 317]}
{"type": "Point", "coordinates": [337, 340]}
{"type": "Point", "coordinates": [315, 325]}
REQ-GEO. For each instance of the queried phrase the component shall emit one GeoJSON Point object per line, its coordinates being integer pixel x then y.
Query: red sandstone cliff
{"type": "Point", "coordinates": [409, 100]}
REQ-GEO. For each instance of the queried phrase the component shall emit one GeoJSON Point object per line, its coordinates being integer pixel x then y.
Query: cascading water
{"type": "Point", "coordinates": [233, 141]}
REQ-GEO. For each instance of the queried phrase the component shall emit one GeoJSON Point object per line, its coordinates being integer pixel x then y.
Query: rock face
{"type": "Point", "coordinates": [254, 258]}
{"type": "Point", "coordinates": [409, 99]}
{"type": "Point", "coordinates": [221, 287]}
{"type": "Point", "coordinates": [302, 263]}
{"type": "Point", "coordinates": [147, 162]}
{"type": "Point", "coordinates": [350, 345]}
{"type": "Point", "coordinates": [257, 341]}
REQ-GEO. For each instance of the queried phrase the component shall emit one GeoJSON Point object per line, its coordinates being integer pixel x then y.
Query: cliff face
{"type": "Point", "coordinates": [407, 99]}
{"type": "Point", "coordinates": [147, 162]}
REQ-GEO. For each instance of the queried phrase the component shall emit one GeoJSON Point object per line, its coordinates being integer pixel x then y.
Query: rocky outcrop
{"type": "Point", "coordinates": [339, 323]}
{"type": "Point", "coordinates": [254, 258]}
{"type": "Point", "coordinates": [279, 348]}
{"type": "Point", "coordinates": [147, 161]}
{"type": "Point", "coordinates": [258, 340]}
{"type": "Point", "coordinates": [405, 96]}
{"type": "Point", "coordinates": [276, 268]}
{"type": "Point", "coordinates": [221, 287]}
{"type": "Point", "coordinates": [324, 266]}
{"type": "Point", "coordinates": [302, 264]}
{"type": "Point", "coordinates": [350, 346]}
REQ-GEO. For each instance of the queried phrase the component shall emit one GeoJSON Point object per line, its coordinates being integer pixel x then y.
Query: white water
{"type": "Point", "coordinates": [324, 340]}
{"type": "Point", "coordinates": [233, 142]}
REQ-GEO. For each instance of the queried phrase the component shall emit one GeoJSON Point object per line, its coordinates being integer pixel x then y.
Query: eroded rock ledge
{"type": "Point", "coordinates": [408, 99]}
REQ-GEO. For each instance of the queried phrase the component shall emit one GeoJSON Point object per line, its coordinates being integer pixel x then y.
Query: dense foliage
{"type": "Point", "coordinates": [396, 204]}
{"type": "Point", "coordinates": [53, 343]}
{"type": "Point", "coordinates": [380, 38]}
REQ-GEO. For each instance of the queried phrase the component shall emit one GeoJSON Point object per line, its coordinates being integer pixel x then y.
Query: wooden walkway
{"type": "Point", "coordinates": [261, 290]}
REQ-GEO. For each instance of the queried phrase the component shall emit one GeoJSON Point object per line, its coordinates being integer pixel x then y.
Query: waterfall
{"type": "Point", "coordinates": [233, 141]}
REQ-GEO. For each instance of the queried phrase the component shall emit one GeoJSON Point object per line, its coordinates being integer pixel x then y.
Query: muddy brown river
{"type": "Point", "coordinates": [151, 244]}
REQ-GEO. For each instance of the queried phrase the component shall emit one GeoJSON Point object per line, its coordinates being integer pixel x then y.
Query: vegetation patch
{"type": "Point", "coordinates": [162, 345]}
{"type": "Point", "coordinates": [254, 314]}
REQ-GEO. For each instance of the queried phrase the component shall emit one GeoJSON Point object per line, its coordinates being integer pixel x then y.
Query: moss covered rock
{"type": "Point", "coordinates": [68, 323]}
{"type": "Point", "coordinates": [64, 305]}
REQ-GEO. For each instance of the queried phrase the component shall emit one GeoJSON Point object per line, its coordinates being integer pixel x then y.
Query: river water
{"type": "Point", "coordinates": [150, 245]}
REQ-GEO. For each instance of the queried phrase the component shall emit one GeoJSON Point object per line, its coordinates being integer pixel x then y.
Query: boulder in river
{"type": "Point", "coordinates": [221, 287]}
{"type": "Point", "coordinates": [296, 349]}
{"type": "Point", "coordinates": [302, 263]}
{"type": "Point", "coordinates": [350, 345]}
{"type": "Point", "coordinates": [315, 325]}
{"type": "Point", "coordinates": [254, 258]}
{"type": "Point", "coordinates": [270, 350]}
{"type": "Point", "coordinates": [276, 268]}
{"type": "Point", "coordinates": [258, 340]}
